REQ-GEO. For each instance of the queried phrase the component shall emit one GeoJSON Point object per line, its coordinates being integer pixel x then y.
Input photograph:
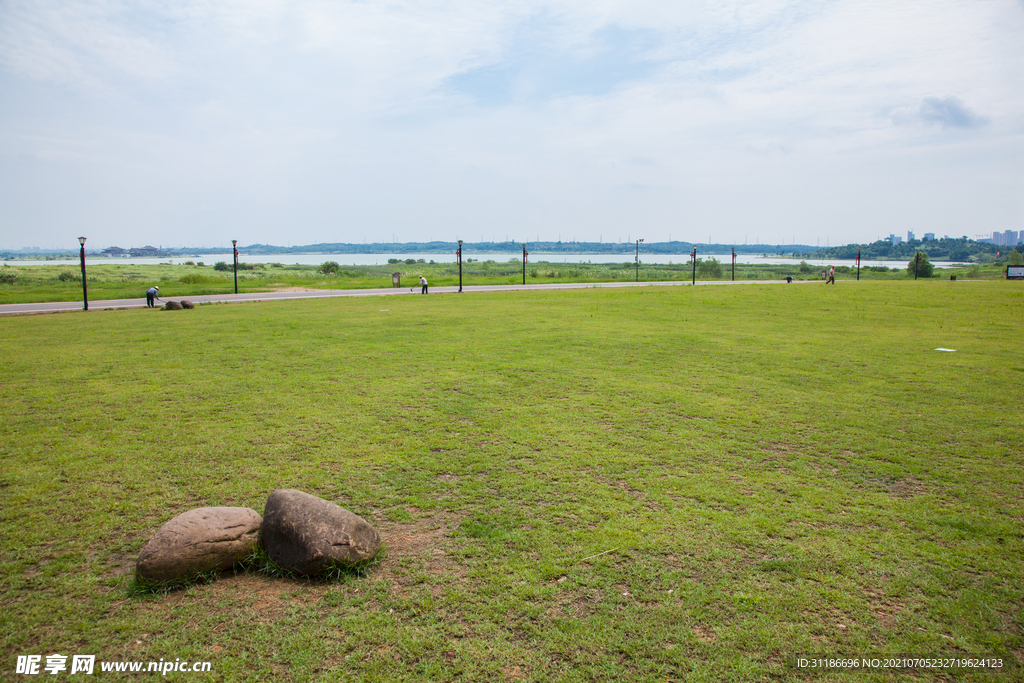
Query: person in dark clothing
{"type": "Point", "coordinates": [423, 285]}
{"type": "Point", "coordinates": [152, 295]}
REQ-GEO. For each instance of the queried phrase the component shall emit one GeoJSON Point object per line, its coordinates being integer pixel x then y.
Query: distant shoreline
{"type": "Point", "coordinates": [405, 259]}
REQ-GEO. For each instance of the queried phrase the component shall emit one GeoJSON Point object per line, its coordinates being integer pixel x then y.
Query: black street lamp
{"type": "Point", "coordinates": [85, 292]}
{"type": "Point", "coordinates": [917, 260]}
{"type": "Point", "coordinates": [638, 259]}
{"type": "Point", "coordinates": [525, 254]}
{"type": "Point", "coordinates": [693, 260]}
{"type": "Point", "coordinates": [234, 248]}
{"type": "Point", "coordinates": [858, 265]}
{"type": "Point", "coordinates": [734, 264]}
{"type": "Point", "coordinates": [458, 257]}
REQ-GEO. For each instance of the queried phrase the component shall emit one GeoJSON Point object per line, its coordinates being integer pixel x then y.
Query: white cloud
{"type": "Point", "coordinates": [392, 116]}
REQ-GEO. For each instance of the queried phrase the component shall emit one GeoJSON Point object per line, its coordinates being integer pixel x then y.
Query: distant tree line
{"type": "Point", "coordinates": [947, 249]}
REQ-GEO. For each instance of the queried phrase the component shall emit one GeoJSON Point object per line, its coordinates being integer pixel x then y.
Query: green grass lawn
{"type": "Point", "coordinates": [650, 484]}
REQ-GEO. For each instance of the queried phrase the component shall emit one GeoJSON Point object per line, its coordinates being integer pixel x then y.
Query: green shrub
{"type": "Point", "coordinates": [328, 267]}
{"type": "Point", "coordinates": [924, 266]}
{"type": "Point", "coordinates": [1015, 259]}
{"type": "Point", "coordinates": [806, 267]}
{"type": "Point", "coordinates": [189, 263]}
{"type": "Point", "coordinates": [221, 265]}
{"type": "Point", "coordinates": [8, 277]}
{"type": "Point", "coordinates": [68, 276]}
{"type": "Point", "coordinates": [709, 268]}
{"type": "Point", "coordinates": [394, 260]}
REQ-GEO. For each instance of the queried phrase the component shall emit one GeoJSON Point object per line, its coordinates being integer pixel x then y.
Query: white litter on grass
{"type": "Point", "coordinates": [384, 310]}
{"type": "Point", "coordinates": [950, 350]}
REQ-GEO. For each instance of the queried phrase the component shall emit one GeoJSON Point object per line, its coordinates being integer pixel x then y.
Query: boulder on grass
{"type": "Point", "coordinates": [172, 306]}
{"type": "Point", "coordinates": [307, 535]}
{"type": "Point", "coordinates": [197, 541]}
{"type": "Point", "coordinates": [185, 303]}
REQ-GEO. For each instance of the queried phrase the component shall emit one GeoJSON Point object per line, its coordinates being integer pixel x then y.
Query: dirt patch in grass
{"type": "Point", "coordinates": [704, 634]}
{"type": "Point", "coordinates": [261, 595]}
{"type": "Point", "coordinates": [884, 608]}
{"type": "Point", "coordinates": [424, 539]}
{"type": "Point", "coordinates": [906, 487]}
{"type": "Point", "coordinates": [118, 565]}
{"type": "Point", "coordinates": [777, 447]}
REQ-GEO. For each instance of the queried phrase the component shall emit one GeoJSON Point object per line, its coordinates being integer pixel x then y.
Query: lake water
{"type": "Point", "coordinates": [535, 257]}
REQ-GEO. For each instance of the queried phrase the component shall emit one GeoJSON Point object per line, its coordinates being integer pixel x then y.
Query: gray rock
{"type": "Point", "coordinates": [197, 541]}
{"type": "Point", "coordinates": [185, 303]}
{"type": "Point", "coordinates": [307, 535]}
{"type": "Point", "coordinates": [172, 306]}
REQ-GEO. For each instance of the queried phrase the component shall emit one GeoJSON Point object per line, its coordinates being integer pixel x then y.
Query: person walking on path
{"type": "Point", "coordinates": [423, 285]}
{"type": "Point", "coordinates": [152, 294]}
{"type": "Point", "coordinates": [831, 275]}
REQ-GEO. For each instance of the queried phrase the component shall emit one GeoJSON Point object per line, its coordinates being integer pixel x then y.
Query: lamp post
{"type": "Point", "coordinates": [858, 265]}
{"type": "Point", "coordinates": [638, 259]}
{"type": "Point", "coordinates": [525, 254]}
{"type": "Point", "coordinates": [85, 292]}
{"type": "Point", "coordinates": [458, 257]}
{"type": "Point", "coordinates": [693, 260]}
{"type": "Point", "coordinates": [234, 248]}
{"type": "Point", "coordinates": [917, 260]}
{"type": "Point", "coordinates": [734, 264]}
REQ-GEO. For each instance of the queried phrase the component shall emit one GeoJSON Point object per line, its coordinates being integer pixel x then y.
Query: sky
{"type": "Point", "coordinates": [197, 122]}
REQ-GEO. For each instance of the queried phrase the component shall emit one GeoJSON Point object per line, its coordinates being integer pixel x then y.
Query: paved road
{"type": "Point", "coordinates": [63, 306]}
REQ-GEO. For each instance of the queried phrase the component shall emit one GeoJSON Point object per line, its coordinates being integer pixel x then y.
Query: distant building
{"type": "Point", "coordinates": [910, 236]}
{"type": "Point", "coordinates": [115, 251]}
{"type": "Point", "coordinates": [1010, 238]}
{"type": "Point", "coordinates": [895, 239]}
{"type": "Point", "coordinates": [929, 237]}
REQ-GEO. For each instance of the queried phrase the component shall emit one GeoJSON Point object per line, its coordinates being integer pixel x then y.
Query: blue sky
{"type": "Point", "coordinates": [194, 123]}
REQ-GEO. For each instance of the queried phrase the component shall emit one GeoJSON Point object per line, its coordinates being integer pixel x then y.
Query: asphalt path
{"type": "Point", "coordinates": [107, 304]}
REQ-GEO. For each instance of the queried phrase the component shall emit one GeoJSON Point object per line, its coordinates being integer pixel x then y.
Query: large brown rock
{"type": "Point", "coordinates": [185, 303]}
{"type": "Point", "coordinates": [172, 306]}
{"type": "Point", "coordinates": [197, 541]}
{"type": "Point", "coordinates": [306, 534]}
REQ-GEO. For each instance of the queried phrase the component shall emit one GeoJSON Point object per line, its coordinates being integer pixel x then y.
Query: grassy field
{"type": "Point", "coordinates": [655, 484]}
{"type": "Point", "coordinates": [113, 280]}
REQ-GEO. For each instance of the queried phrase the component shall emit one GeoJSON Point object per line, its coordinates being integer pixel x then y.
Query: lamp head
{"type": "Point", "coordinates": [234, 243]}
{"type": "Point", "coordinates": [81, 240]}
{"type": "Point", "coordinates": [460, 243]}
